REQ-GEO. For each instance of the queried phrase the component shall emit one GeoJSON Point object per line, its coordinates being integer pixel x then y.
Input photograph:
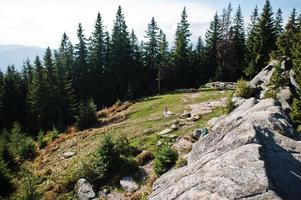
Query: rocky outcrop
{"type": "Point", "coordinates": [84, 190]}
{"type": "Point", "coordinates": [253, 153]}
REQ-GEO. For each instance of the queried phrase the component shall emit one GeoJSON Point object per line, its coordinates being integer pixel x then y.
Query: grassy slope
{"type": "Point", "coordinates": [144, 119]}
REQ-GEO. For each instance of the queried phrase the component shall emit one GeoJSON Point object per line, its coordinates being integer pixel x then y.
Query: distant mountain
{"type": "Point", "coordinates": [16, 54]}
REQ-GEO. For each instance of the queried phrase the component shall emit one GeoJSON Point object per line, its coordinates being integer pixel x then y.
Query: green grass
{"type": "Point", "coordinates": [144, 120]}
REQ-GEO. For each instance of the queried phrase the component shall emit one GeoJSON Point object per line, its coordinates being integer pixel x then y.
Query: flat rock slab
{"type": "Point", "coordinates": [164, 132]}
{"type": "Point", "coordinates": [68, 154]}
{"type": "Point", "coordinates": [206, 107]}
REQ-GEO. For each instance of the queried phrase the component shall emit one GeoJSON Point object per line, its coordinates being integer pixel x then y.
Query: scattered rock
{"type": "Point", "coordinates": [128, 184]}
{"type": "Point", "coordinates": [104, 193]}
{"type": "Point", "coordinates": [293, 80]}
{"type": "Point", "coordinates": [68, 154]}
{"type": "Point", "coordinates": [237, 101]}
{"type": "Point", "coordinates": [164, 132]}
{"type": "Point", "coordinates": [285, 96]}
{"type": "Point", "coordinates": [173, 136]}
{"type": "Point", "coordinates": [84, 190]}
{"type": "Point", "coordinates": [202, 132]}
{"type": "Point", "coordinates": [185, 115]}
{"type": "Point", "coordinates": [221, 85]}
{"type": "Point", "coordinates": [174, 127]}
{"type": "Point", "coordinates": [159, 143]}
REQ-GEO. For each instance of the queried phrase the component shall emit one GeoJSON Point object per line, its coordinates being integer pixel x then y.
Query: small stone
{"type": "Point", "coordinates": [159, 143]}
{"type": "Point", "coordinates": [199, 133]}
{"type": "Point", "coordinates": [185, 115]}
{"type": "Point", "coordinates": [173, 136]}
{"type": "Point", "coordinates": [84, 190]}
{"type": "Point", "coordinates": [68, 154]}
{"type": "Point", "coordinates": [128, 184]}
{"type": "Point", "coordinates": [164, 132]}
{"type": "Point", "coordinates": [174, 127]}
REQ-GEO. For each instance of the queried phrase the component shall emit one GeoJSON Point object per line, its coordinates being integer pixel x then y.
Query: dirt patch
{"type": "Point", "coordinates": [207, 107]}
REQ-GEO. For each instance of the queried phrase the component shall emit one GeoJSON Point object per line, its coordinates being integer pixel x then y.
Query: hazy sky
{"type": "Point", "coordinates": [42, 22]}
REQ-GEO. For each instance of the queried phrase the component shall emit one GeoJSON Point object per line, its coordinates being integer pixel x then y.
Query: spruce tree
{"type": "Point", "coordinates": [13, 98]}
{"type": "Point", "coordinates": [81, 68]}
{"type": "Point", "coordinates": [163, 76]}
{"type": "Point", "coordinates": [238, 48]}
{"type": "Point", "coordinates": [135, 87]}
{"type": "Point", "coordinates": [250, 68]}
{"type": "Point", "coordinates": [199, 62]}
{"type": "Point", "coordinates": [279, 23]}
{"type": "Point", "coordinates": [286, 41]}
{"type": "Point", "coordinates": [37, 96]}
{"type": "Point", "coordinates": [213, 40]}
{"type": "Point", "coordinates": [120, 57]}
{"type": "Point", "coordinates": [66, 56]}
{"type": "Point", "coordinates": [265, 37]}
{"type": "Point", "coordinates": [96, 60]}
{"type": "Point", "coordinates": [180, 56]}
{"type": "Point", "coordinates": [151, 56]}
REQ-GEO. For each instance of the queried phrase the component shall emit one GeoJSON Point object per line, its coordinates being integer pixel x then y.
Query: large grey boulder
{"type": "Point", "coordinates": [263, 77]}
{"type": "Point", "coordinates": [253, 153]}
{"type": "Point", "coordinates": [84, 190]}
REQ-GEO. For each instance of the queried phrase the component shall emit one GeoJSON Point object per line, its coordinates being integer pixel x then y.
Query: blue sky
{"type": "Point", "coordinates": [41, 23]}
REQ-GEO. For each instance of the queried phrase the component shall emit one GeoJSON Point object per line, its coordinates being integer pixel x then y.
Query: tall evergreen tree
{"type": "Point", "coordinates": [81, 68]}
{"type": "Point", "coordinates": [151, 56]}
{"type": "Point", "coordinates": [199, 62]}
{"type": "Point", "coordinates": [164, 65]}
{"type": "Point", "coordinates": [37, 97]}
{"type": "Point", "coordinates": [279, 23]}
{"type": "Point", "coordinates": [120, 57]}
{"type": "Point", "coordinates": [96, 60]}
{"type": "Point", "coordinates": [136, 84]}
{"type": "Point", "coordinates": [213, 39]}
{"type": "Point", "coordinates": [238, 48]}
{"type": "Point", "coordinates": [66, 57]}
{"type": "Point", "coordinates": [286, 40]}
{"type": "Point", "coordinates": [266, 36]}
{"type": "Point", "coordinates": [250, 69]}
{"type": "Point", "coordinates": [13, 99]}
{"type": "Point", "coordinates": [181, 59]}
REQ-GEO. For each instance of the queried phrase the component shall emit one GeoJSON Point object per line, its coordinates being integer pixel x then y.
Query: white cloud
{"type": "Point", "coordinates": [41, 23]}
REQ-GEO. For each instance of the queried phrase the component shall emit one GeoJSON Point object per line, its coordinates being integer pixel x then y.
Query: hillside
{"type": "Point", "coordinates": [140, 123]}
{"type": "Point", "coordinates": [17, 54]}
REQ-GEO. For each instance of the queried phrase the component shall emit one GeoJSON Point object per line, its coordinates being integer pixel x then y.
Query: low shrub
{"type": "Point", "coordinates": [114, 158]}
{"type": "Point", "coordinates": [229, 104]}
{"type": "Point", "coordinates": [41, 141]}
{"type": "Point", "coordinates": [6, 184]}
{"type": "Point", "coordinates": [28, 188]}
{"type": "Point", "coordinates": [20, 146]}
{"type": "Point", "coordinates": [181, 162]}
{"type": "Point", "coordinates": [295, 114]}
{"type": "Point", "coordinates": [271, 93]}
{"type": "Point", "coordinates": [86, 117]}
{"type": "Point", "coordinates": [165, 158]}
{"type": "Point", "coordinates": [243, 89]}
